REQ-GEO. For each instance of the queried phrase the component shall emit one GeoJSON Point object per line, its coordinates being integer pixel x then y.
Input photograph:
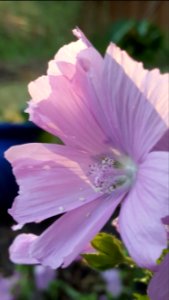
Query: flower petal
{"type": "Point", "coordinates": [20, 249]}
{"type": "Point", "coordinates": [80, 35]}
{"type": "Point", "coordinates": [141, 213]}
{"type": "Point", "coordinates": [52, 180]}
{"type": "Point", "coordinates": [67, 54]}
{"type": "Point", "coordinates": [137, 122]}
{"type": "Point", "coordinates": [67, 106]}
{"type": "Point", "coordinates": [165, 220]}
{"type": "Point", "coordinates": [66, 114]}
{"type": "Point", "coordinates": [62, 242]}
{"type": "Point", "coordinates": [163, 143]}
{"type": "Point", "coordinates": [152, 84]}
{"type": "Point", "coordinates": [158, 287]}
{"type": "Point", "coordinates": [43, 277]}
{"type": "Point", "coordinates": [65, 60]}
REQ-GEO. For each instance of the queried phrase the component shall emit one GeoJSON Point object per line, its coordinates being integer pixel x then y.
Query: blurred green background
{"type": "Point", "coordinates": [32, 31]}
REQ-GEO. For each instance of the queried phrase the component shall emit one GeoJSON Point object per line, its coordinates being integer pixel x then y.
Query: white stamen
{"type": "Point", "coordinates": [111, 173]}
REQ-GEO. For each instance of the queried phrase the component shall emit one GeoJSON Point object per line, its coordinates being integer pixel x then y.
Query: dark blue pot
{"type": "Point", "coordinates": [10, 135]}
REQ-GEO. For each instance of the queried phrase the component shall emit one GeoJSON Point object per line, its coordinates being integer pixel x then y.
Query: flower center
{"type": "Point", "coordinates": [112, 173]}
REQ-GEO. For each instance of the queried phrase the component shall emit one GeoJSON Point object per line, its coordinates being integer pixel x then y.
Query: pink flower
{"type": "Point", "coordinates": [159, 285]}
{"type": "Point", "coordinates": [112, 116]}
{"type": "Point", "coordinates": [6, 286]}
{"type": "Point", "coordinates": [159, 288]}
{"type": "Point", "coordinates": [113, 281]}
{"type": "Point", "coordinates": [43, 277]}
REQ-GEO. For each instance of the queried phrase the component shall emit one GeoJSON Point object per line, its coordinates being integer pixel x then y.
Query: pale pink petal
{"type": "Point", "coordinates": [67, 114]}
{"type": "Point", "coordinates": [62, 242]}
{"type": "Point", "coordinates": [113, 282]}
{"type": "Point", "coordinates": [52, 179]}
{"type": "Point", "coordinates": [136, 125]}
{"type": "Point", "coordinates": [7, 284]}
{"type": "Point", "coordinates": [115, 223]}
{"type": "Point", "coordinates": [165, 220]}
{"type": "Point", "coordinates": [40, 89]}
{"type": "Point", "coordinates": [65, 59]}
{"type": "Point", "coordinates": [43, 277]}
{"type": "Point", "coordinates": [140, 217]}
{"type": "Point", "coordinates": [16, 227]}
{"type": "Point", "coordinates": [67, 54]}
{"type": "Point", "coordinates": [77, 57]}
{"type": "Point", "coordinates": [163, 143]}
{"type": "Point", "coordinates": [88, 249]}
{"type": "Point", "coordinates": [152, 84]}
{"type": "Point", "coordinates": [89, 85]}
{"type": "Point", "coordinates": [159, 285]}
{"type": "Point", "coordinates": [80, 35]}
{"type": "Point", "coordinates": [20, 249]}
{"type": "Point", "coordinates": [68, 105]}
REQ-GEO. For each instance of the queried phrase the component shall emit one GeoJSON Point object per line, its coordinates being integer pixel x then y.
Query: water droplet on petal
{"type": "Point", "coordinates": [17, 227]}
{"type": "Point", "coordinates": [96, 189]}
{"type": "Point", "coordinates": [46, 167]}
{"type": "Point", "coordinates": [51, 125]}
{"type": "Point", "coordinates": [88, 214]}
{"type": "Point", "coordinates": [61, 208]}
{"type": "Point", "coordinates": [82, 198]}
{"type": "Point", "coordinates": [30, 167]}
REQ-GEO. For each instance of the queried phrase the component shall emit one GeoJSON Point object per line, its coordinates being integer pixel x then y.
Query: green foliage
{"type": "Point", "coordinates": [110, 253]}
{"type": "Point", "coordinates": [133, 281]}
{"type": "Point", "coordinates": [26, 285]}
{"type": "Point", "coordinates": [163, 254]}
{"type": "Point", "coordinates": [13, 98]}
{"type": "Point", "coordinates": [59, 287]}
{"type": "Point", "coordinates": [143, 40]}
{"type": "Point", "coordinates": [141, 297]}
{"type": "Point", "coordinates": [55, 291]}
{"type": "Point", "coordinates": [35, 29]}
{"type": "Point", "coordinates": [144, 276]}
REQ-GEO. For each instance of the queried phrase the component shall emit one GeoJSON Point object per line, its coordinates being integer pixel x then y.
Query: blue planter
{"type": "Point", "coordinates": [10, 135]}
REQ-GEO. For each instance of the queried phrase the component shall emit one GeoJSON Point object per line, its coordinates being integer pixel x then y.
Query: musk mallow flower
{"type": "Point", "coordinates": [113, 281]}
{"type": "Point", "coordinates": [158, 288]}
{"type": "Point", "coordinates": [7, 286]}
{"type": "Point", "coordinates": [112, 117]}
{"type": "Point", "coordinates": [43, 277]}
{"type": "Point", "coordinates": [10, 286]}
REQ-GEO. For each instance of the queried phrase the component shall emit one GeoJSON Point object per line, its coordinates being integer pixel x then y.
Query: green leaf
{"type": "Point", "coordinates": [144, 276]}
{"type": "Point", "coordinates": [120, 29]}
{"type": "Point", "coordinates": [99, 261]}
{"type": "Point", "coordinates": [104, 242]}
{"type": "Point", "coordinates": [141, 297]}
{"type": "Point", "coordinates": [110, 253]}
{"type": "Point", "coordinates": [163, 254]}
{"type": "Point", "coordinates": [58, 287]}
